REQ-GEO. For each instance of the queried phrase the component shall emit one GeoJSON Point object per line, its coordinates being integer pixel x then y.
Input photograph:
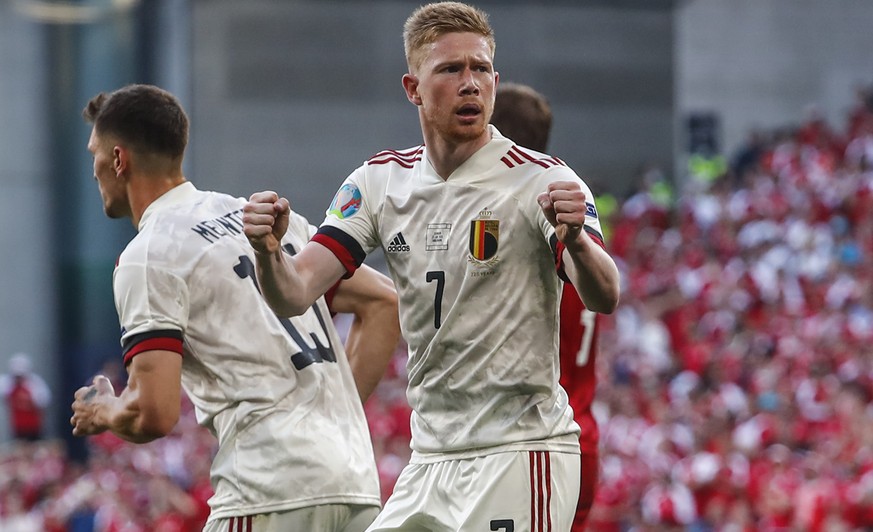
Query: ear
{"type": "Point", "coordinates": [410, 85]}
{"type": "Point", "coordinates": [120, 160]}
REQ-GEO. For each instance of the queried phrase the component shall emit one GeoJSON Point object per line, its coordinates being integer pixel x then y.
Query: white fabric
{"type": "Point", "coordinates": [289, 436]}
{"type": "Point", "coordinates": [487, 378]}
{"type": "Point", "coordinates": [511, 491]}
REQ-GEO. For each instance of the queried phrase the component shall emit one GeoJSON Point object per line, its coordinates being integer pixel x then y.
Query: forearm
{"type": "Point", "coordinates": [290, 285]}
{"type": "Point", "coordinates": [281, 285]}
{"type": "Point", "coordinates": [125, 418]}
{"type": "Point", "coordinates": [147, 408]}
{"type": "Point", "coordinates": [594, 275]}
{"type": "Point", "coordinates": [371, 342]}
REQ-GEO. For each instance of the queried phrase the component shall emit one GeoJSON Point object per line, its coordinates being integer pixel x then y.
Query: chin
{"type": "Point", "coordinates": [467, 133]}
{"type": "Point", "coordinates": [113, 212]}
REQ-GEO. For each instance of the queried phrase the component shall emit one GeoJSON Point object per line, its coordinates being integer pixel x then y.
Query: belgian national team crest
{"type": "Point", "coordinates": [484, 238]}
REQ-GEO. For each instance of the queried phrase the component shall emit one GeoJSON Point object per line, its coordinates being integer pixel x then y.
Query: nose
{"type": "Point", "coordinates": [468, 83]}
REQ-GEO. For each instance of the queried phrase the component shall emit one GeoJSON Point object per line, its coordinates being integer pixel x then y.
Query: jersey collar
{"type": "Point", "coordinates": [178, 194]}
{"type": "Point", "coordinates": [479, 165]}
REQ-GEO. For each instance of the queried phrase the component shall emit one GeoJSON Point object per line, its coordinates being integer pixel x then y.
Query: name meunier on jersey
{"type": "Point", "coordinates": [228, 225]}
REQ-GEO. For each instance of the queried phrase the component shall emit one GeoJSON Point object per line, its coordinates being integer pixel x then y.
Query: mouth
{"type": "Point", "coordinates": [469, 112]}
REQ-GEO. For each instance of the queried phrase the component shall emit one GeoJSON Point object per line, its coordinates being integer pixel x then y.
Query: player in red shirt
{"type": "Point", "coordinates": [524, 115]}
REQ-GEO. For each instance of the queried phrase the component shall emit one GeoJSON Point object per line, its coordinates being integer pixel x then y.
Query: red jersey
{"type": "Point", "coordinates": [578, 354]}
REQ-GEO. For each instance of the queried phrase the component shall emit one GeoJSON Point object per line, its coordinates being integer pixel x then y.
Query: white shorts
{"type": "Point", "coordinates": [526, 491]}
{"type": "Point", "coordinates": [321, 518]}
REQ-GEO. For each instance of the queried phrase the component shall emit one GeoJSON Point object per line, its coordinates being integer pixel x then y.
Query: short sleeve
{"type": "Point", "coordinates": [349, 228]}
{"type": "Point", "coordinates": [152, 305]}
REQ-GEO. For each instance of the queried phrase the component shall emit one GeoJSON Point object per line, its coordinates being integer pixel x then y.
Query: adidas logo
{"type": "Point", "coordinates": [398, 244]}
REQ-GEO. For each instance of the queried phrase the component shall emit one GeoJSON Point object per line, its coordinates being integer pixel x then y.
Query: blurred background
{"type": "Point", "coordinates": [683, 112]}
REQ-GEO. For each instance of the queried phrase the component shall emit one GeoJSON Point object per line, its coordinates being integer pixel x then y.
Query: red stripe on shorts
{"type": "Point", "coordinates": [548, 459]}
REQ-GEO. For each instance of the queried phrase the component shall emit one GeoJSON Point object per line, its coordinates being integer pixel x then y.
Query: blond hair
{"type": "Point", "coordinates": [432, 21]}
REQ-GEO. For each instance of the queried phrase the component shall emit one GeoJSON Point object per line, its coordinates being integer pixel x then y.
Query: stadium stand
{"type": "Point", "coordinates": [736, 376]}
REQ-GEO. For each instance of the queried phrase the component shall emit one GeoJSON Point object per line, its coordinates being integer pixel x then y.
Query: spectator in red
{"type": "Point", "coordinates": [26, 395]}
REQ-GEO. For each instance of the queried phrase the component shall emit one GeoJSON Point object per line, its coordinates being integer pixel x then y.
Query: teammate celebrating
{"type": "Point", "coordinates": [525, 116]}
{"type": "Point", "coordinates": [478, 229]}
{"type": "Point", "coordinates": [294, 452]}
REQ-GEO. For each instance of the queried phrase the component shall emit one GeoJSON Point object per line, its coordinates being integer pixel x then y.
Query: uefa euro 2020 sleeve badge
{"type": "Point", "coordinates": [484, 239]}
{"type": "Point", "coordinates": [346, 202]}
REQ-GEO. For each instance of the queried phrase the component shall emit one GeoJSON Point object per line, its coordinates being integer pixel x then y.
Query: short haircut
{"type": "Point", "coordinates": [432, 21]}
{"type": "Point", "coordinates": [523, 115]}
{"type": "Point", "coordinates": [146, 117]}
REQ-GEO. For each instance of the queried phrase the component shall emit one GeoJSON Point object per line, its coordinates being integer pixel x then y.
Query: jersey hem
{"type": "Point", "coordinates": [240, 511]}
{"type": "Point", "coordinates": [562, 445]}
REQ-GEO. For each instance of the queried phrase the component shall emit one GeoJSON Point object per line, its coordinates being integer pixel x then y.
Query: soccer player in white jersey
{"type": "Point", "coordinates": [294, 452]}
{"type": "Point", "coordinates": [476, 233]}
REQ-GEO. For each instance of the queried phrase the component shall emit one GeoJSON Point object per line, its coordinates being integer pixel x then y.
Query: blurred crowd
{"type": "Point", "coordinates": [735, 378]}
{"type": "Point", "coordinates": [161, 486]}
{"type": "Point", "coordinates": [736, 381]}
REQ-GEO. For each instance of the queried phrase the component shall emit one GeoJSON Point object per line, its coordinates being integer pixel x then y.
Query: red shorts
{"type": "Point", "coordinates": [588, 487]}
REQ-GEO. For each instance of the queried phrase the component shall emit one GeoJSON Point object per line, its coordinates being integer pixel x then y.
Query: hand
{"type": "Point", "coordinates": [265, 220]}
{"type": "Point", "coordinates": [564, 206]}
{"type": "Point", "coordinates": [88, 400]}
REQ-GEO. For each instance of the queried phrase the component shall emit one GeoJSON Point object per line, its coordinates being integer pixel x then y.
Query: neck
{"type": "Point", "coordinates": [142, 191]}
{"type": "Point", "coordinates": [446, 155]}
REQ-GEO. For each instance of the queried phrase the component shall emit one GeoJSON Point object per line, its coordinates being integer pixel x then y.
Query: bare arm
{"type": "Point", "coordinates": [147, 409]}
{"type": "Point", "coordinates": [290, 285]}
{"type": "Point", "coordinates": [591, 270]}
{"type": "Point", "coordinates": [375, 331]}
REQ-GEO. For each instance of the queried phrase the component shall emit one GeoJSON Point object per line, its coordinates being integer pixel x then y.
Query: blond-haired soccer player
{"type": "Point", "coordinates": [476, 234]}
{"type": "Point", "coordinates": [294, 452]}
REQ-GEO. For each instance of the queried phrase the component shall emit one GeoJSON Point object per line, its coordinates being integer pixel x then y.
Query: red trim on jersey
{"type": "Point", "coordinates": [515, 157]}
{"type": "Point", "coordinates": [520, 157]}
{"type": "Point", "coordinates": [154, 344]}
{"type": "Point", "coordinates": [405, 158]}
{"type": "Point", "coordinates": [328, 297]}
{"type": "Point", "coordinates": [559, 256]}
{"type": "Point", "coordinates": [402, 154]}
{"type": "Point", "coordinates": [527, 156]}
{"type": "Point", "coordinates": [340, 251]}
{"type": "Point", "coordinates": [595, 236]}
{"type": "Point", "coordinates": [559, 250]}
{"type": "Point", "coordinates": [392, 159]}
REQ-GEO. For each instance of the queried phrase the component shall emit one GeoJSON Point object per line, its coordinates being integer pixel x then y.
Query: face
{"type": "Point", "coordinates": [454, 87]}
{"type": "Point", "coordinates": [113, 189]}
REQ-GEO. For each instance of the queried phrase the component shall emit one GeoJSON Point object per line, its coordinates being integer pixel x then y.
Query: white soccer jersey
{"type": "Point", "coordinates": [278, 393]}
{"type": "Point", "coordinates": [474, 262]}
